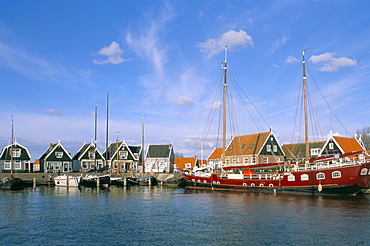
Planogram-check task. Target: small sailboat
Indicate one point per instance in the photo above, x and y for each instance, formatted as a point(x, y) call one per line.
point(344, 174)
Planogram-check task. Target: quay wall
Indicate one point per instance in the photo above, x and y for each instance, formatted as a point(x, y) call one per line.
point(42, 177)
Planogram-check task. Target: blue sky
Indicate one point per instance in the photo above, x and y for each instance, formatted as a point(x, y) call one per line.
point(58, 59)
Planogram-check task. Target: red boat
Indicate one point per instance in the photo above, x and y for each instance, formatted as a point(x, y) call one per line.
point(329, 174)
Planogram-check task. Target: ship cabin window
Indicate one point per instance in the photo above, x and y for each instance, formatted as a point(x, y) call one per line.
point(363, 171)
point(331, 145)
point(245, 160)
point(268, 148)
point(58, 154)
point(275, 148)
point(291, 177)
point(304, 177)
point(336, 174)
point(265, 159)
point(320, 176)
point(253, 160)
point(16, 153)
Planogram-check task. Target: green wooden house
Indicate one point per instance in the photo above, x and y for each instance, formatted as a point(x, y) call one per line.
point(56, 159)
point(15, 158)
point(88, 158)
point(122, 158)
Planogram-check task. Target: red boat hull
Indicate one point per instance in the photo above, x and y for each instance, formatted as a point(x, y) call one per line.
point(341, 180)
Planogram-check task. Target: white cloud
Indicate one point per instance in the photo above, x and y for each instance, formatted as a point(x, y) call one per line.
point(114, 52)
point(329, 63)
point(291, 59)
point(230, 38)
point(183, 100)
point(50, 111)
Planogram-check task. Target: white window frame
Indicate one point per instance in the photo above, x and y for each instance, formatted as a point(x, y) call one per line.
point(7, 165)
point(265, 160)
point(245, 160)
point(336, 174)
point(320, 176)
point(268, 148)
point(291, 177)
point(253, 160)
point(304, 177)
point(58, 154)
point(123, 155)
point(16, 153)
point(331, 145)
point(92, 155)
point(275, 149)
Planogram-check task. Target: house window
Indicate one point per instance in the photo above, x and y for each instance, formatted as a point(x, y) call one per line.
point(291, 177)
point(265, 159)
point(234, 161)
point(17, 165)
point(315, 151)
point(91, 155)
point(304, 177)
point(331, 145)
point(227, 161)
point(253, 160)
point(268, 148)
point(58, 154)
point(162, 164)
point(123, 155)
point(320, 176)
point(7, 165)
point(275, 148)
point(245, 160)
point(16, 153)
point(336, 174)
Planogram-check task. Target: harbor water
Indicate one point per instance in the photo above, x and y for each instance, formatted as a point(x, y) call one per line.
point(172, 216)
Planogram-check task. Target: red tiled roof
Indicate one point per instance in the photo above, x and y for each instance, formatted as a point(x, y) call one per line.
point(247, 144)
point(180, 162)
point(348, 144)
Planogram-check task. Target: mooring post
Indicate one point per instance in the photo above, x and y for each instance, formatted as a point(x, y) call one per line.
point(34, 183)
point(67, 180)
point(97, 181)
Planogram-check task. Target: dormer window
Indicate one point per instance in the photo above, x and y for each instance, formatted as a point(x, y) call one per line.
point(16, 153)
point(58, 154)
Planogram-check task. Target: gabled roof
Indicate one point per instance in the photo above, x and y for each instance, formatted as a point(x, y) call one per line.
point(185, 160)
point(159, 151)
point(111, 152)
point(298, 150)
point(347, 145)
point(52, 148)
point(247, 144)
point(5, 154)
point(215, 154)
point(85, 148)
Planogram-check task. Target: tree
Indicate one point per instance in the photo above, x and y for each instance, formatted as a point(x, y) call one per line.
point(365, 136)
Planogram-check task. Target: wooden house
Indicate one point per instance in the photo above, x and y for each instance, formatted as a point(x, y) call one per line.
point(122, 158)
point(15, 158)
point(214, 160)
point(185, 163)
point(336, 145)
point(88, 158)
point(57, 159)
point(160, 158)
point(253, 149)
point(297, 152)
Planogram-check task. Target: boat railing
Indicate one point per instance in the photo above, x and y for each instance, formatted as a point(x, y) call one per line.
point(325, 165)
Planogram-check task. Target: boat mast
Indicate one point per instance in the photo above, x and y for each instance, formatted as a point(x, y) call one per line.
point(224, 68)
point(107, 126)
point(142, 144)
point(11, 150)
point(305, 108)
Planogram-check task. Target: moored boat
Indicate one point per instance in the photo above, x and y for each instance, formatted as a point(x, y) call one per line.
point(344, 174)
point(67, 181)
point(102, 181)
point(12, 183)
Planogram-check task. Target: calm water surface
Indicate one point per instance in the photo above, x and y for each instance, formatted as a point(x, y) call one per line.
point(169, 216)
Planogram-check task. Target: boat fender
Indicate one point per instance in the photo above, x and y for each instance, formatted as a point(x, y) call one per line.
point(319, 188)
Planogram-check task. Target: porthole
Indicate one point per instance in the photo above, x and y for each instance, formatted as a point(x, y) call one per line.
point(198, 181)
point(244, 184)
point(214, 182)
point(193, 180)
point(205, 181)
point(363, 171)
point(252, 184)
point(261, 185)
point(336, 174)
point(271, 185)
point(218, 182)
point(320, 176)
